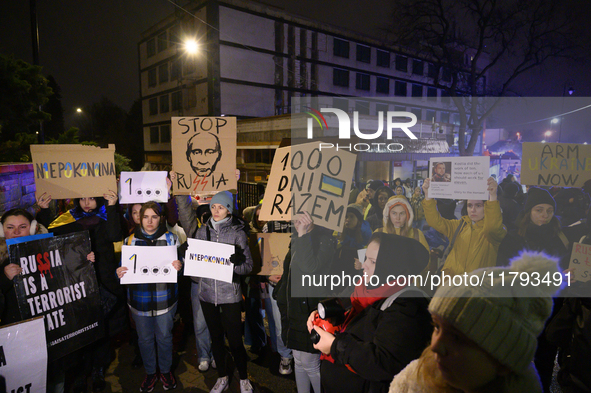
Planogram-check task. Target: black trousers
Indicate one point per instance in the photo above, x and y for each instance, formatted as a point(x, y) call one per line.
point(220, 319)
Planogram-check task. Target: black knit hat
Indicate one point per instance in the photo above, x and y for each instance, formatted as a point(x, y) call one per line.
point(357, 210)
point(537, 196)
point(375, 184)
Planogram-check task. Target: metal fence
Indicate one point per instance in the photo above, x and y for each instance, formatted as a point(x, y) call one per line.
point(249, 194)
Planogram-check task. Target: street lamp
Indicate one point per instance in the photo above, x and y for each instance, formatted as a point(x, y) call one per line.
point(191, 46)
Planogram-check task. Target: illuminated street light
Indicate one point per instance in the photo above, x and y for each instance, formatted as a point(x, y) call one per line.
point(555, 120)
point(79, 110)
point(547, 133)
point(543, 141)
point(191, 46)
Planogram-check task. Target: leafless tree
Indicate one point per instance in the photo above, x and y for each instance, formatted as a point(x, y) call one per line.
point(478, 48)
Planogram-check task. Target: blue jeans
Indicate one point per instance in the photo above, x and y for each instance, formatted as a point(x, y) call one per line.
point(156, 330)
point(275, 317)
point(202, 338)
point(307, 371)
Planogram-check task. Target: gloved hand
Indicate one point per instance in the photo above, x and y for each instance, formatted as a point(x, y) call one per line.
point(238, 258)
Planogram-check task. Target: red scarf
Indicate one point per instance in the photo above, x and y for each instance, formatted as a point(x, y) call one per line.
point(360, 299)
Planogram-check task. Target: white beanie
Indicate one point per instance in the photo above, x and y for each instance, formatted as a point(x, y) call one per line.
point(503, 319)
point(398, 200)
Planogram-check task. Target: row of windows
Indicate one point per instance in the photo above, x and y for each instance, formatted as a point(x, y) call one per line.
point(340, 77)
point(160, 134)
point(164, 73)
point(364, 108)
point(163, 41)
point(363, 54)
point(165, 103)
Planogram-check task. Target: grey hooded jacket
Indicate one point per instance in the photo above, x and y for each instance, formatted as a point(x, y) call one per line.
point(229, 232)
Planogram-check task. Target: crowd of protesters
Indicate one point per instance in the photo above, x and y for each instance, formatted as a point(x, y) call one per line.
point(396, 338)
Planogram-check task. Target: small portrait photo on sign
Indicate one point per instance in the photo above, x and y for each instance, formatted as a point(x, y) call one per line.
point(203, 154)
point(441, 171)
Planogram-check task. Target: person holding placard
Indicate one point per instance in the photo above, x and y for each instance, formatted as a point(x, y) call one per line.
point(220, 301)
point(398, 218)
point(481, 230)
point(153, 305)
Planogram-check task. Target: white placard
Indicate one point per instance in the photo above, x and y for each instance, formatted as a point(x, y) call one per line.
point(361, 254)
point(580, 260)
point(141, 187)
point(148, 264)
point(23, 361)
point(209, 260)
point(459, 177)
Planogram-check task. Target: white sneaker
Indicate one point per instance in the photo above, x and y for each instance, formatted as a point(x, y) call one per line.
point(285, 366)
point(213, 365)
point(221, 385)
point(203, 365)
point(245, 386)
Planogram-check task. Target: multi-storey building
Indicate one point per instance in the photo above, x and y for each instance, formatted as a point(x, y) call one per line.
point(253, 59)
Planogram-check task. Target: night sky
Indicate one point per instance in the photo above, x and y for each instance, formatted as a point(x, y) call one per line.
point(90, 47)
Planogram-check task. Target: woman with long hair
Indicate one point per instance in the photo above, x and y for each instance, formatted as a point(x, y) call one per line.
point(388, 323)
point(480, 231)
point(398, 218)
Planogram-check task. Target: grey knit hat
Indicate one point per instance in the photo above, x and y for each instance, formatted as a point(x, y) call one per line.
point(502, 319)
point(225, 199)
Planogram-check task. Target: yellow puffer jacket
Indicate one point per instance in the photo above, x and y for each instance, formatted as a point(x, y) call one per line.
point(413, 233)
point(477, 243)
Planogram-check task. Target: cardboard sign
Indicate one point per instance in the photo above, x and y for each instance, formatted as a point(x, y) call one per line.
point(73, 171)
point(555, 164)
point(141, 187)
point(580, 259)
point(148, 264)
point(459, 177)
point(305, 178)
point(204, 154)
point(59, 283)
point(209, 260)
point(273, 248)
point(23, 356)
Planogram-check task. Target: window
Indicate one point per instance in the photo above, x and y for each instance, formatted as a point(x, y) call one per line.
point(445, 97)
point(152, 77)
point(446, 75)
point(417, 90)
point(362, 81)
point(363, 53)
point(174, 34)
point(362, 107)
point(165, 133)
point(163, 73)
point(162, 42)
point(175, 70)
point(417, 67)
point(431, 94)
point(444, 117)
point(455, 119)
point(176, 99)
point(417, 112)
point(151, 47)
point(164, 106)
point(383, 58)
point(340, 77)
point(383, 85)
point(153, 104)
point(341, 103)
point(341, 48)
point(430, 115)
point(381, 108)
point(399, 108)
point(154, 135)
point(402, 63)
point(431, 70)
point(400, 89)
point(192, 97)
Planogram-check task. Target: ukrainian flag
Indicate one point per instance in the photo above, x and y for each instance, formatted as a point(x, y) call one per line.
point(333, 186)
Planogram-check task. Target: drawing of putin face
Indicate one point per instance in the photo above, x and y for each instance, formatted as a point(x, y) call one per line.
point(203, 153)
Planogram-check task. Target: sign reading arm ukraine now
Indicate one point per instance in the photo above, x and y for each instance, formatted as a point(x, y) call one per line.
point(73, 171)
point(555, 164)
